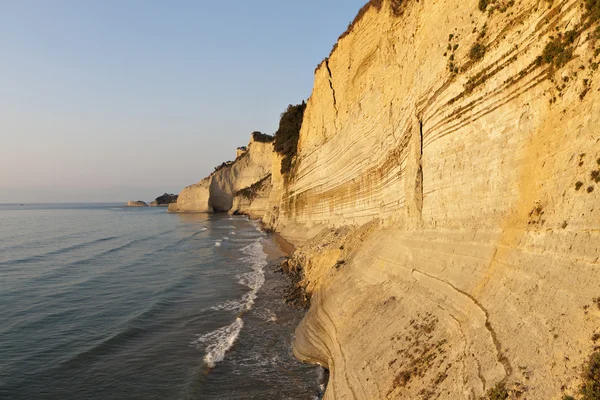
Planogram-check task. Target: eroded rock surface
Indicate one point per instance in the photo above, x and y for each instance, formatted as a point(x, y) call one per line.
point(217, 191)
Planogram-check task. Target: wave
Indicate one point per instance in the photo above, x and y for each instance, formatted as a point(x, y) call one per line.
point(219, 342)
point(256, 258)
point(64, 270)
point(104, 347)
point(41, 257)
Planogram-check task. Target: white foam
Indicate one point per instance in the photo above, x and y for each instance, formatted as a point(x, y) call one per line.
point(257, 259)
point(219, 341)
point(225, 237)
point(218, 243)
point(232, 233)
point(267, 315)
point(229, 305)
point(222, 339)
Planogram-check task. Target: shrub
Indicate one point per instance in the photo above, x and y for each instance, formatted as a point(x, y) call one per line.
point(498, 392)
point(557, 52)
point(578, 185)
point(590, 388)
point(483, 5)
point(251, 191)
point(262, 137)
point(477, 52)
point(593, 9)
point(286, 137)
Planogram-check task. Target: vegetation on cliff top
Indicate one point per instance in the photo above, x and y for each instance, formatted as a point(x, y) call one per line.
point(262, 137)
point(286, 137)
point(166, 198)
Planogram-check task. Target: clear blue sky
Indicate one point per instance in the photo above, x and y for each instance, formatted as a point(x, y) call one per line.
point(110, 100)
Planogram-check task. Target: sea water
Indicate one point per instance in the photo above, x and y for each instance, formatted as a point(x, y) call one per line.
point(99, 301)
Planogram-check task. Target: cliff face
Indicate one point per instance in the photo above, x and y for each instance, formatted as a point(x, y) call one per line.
point(216, 192)
point(253, 200)
point(446, 191)
point(475, 150)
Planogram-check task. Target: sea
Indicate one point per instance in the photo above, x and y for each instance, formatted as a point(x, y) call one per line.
point(100, 301)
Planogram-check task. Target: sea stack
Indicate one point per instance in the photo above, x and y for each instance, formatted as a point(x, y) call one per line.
point(137, 203)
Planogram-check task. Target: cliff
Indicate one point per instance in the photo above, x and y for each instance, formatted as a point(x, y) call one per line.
point(164, 200)
point(445, 190)
point(217, 191)
point(253, 200)
point(469, 141)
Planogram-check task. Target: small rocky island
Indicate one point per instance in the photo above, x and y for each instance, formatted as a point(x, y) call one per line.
point(164, 200)
point(137, 203)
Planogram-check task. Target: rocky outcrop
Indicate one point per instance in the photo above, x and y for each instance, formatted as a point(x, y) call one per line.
point(138, 203)
point(164, 200)
point(253, 200)
point(217, 191)
point(240, 151)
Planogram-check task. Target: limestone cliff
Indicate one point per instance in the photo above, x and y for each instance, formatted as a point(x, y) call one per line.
point(467, 135)
point(217, 191)
point(445, 190)
point(253, 200)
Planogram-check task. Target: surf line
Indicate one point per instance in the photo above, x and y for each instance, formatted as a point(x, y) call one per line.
point(219, 341)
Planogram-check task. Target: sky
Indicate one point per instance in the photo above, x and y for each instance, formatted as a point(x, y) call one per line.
point(111, 100)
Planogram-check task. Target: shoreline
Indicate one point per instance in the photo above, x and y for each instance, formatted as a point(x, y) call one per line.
point(285, 246)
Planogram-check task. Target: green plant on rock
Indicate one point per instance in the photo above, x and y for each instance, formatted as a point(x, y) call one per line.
point(477, 51)
point(593, 10)
point(286, 137)
point(557, 52)
point(590, 387)
point(262, 137)
point(498, 392)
